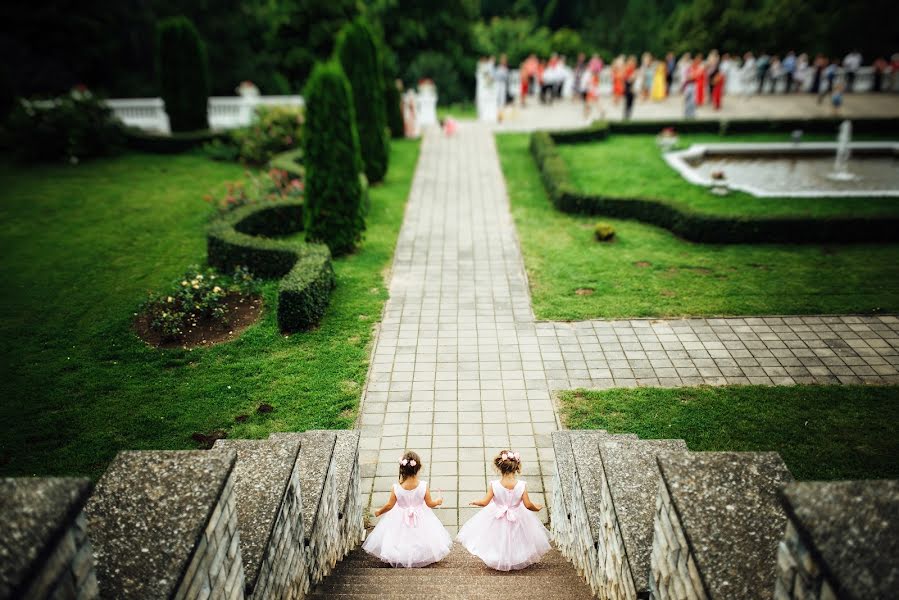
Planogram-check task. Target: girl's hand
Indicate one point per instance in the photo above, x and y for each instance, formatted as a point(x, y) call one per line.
point(537, 507)
point(438, 501)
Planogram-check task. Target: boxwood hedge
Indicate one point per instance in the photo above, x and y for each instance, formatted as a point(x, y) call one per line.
point(169, 144)
point(239, 238)
point(602, 129)
point(693, 225)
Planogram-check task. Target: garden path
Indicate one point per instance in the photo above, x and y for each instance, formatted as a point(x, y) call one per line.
point(461, 368)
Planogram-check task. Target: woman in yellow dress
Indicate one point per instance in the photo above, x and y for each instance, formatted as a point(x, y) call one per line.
point(658, 82)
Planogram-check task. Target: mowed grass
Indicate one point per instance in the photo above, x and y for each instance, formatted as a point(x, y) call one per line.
point(82, 246)
point(649, 272)
point(631, 166)
point(821, 432)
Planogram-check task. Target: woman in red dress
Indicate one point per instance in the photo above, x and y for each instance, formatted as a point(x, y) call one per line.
point(618, 77)
point(699, 75)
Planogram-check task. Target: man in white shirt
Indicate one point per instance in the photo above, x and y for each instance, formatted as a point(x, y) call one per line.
point(851, 64)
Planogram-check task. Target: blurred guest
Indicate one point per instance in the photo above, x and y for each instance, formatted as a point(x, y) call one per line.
point(660, 81)
point(683, 68)
point(747, 74)
point(647, 73)
point(618, 77)
point(689, 91)
point(718, 81)
point(580, 88)
point(670, 66)
point(819, 65)
point(894, 72)
point(836, 99)
point(528, 76)
point(632, 75)
point(699, 74)
point(501, 77)
point(789, 70)
point(761, 68)
point(830, 76)
point(851, 64)
point(880, 66)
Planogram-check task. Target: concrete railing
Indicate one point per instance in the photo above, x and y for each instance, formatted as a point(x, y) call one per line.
point(648, 519)
point(247, 519)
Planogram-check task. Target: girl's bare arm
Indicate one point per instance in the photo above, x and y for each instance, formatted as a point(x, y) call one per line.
point(485, 500)
point(528, 504)
point(432, 503)
point(387, 506)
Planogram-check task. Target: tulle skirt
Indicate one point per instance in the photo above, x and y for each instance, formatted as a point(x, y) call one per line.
point(395, 541)
point(503, 544)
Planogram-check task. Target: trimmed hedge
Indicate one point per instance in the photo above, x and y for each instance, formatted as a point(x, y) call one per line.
point(696, 226)
point(183, 74)
point(306, 271)
point(175, 143)
point(289, 161)
point(602, 129)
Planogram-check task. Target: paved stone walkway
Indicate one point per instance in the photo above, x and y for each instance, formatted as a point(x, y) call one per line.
point(461, 369)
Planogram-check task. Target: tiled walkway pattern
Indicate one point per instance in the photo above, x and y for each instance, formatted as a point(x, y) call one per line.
point(461, 368)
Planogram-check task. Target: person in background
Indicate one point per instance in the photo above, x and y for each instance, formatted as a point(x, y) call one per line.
point(670, 66)
point(718, 81)
point(617, 79)
point(501, 77)
point(836, 99)
point(894, 72)
point(851, 65)
point(728, 68)
point(789, 71)
point(660, 82)
point(580, 87)
point(563, 73)
point(631, 79)
point(819, 64)
point(528, 76)
point(775, 72)
point(683, 68)
point(880, 66)
point(689, 91)
point(699, 74)
point(761, 68)
point(830, 75)
point(711, 67)
point(747, 74)
point(646, 75)
point(802, 72)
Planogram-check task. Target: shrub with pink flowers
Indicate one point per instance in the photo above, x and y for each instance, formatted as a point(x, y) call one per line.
point(274, 185)
point(275, 129)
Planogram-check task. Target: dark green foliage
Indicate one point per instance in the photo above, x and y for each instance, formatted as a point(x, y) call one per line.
point(290, 161)
point(335, 213)
point(176, 143)
point(696, 226)
point(307, 33)
point(394, 108)
point(72, 127)
point(359, 55)
point(183, 74)
point(308, 277)
point(441, 69)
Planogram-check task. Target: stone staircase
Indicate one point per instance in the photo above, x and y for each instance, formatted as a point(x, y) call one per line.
point(459, 576)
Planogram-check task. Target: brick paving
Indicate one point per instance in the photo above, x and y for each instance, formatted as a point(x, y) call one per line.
point(461, 368)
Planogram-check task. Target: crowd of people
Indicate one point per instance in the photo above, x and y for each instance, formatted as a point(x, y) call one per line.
point(700, 79)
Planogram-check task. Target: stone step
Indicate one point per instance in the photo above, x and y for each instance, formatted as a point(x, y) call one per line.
point(268, 514)
point(457, 585)
point(458, 557)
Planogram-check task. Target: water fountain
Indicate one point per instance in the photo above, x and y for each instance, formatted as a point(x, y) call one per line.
point(841, 161)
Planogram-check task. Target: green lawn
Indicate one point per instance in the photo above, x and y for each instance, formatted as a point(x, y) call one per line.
point(81, 248)
point(821, 432)
point(648, 272)
point(631, 166)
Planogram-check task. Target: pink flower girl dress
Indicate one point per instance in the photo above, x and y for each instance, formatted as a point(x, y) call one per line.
point(505, 534)
point(409, 534)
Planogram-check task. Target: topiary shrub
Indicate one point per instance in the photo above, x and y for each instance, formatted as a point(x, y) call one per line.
point(360, 57)
point(307, 275)
point(334, 212)
point(604, 232)
point(183, 74)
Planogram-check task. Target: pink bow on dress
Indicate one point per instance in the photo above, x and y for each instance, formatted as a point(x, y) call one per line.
point(411, 517)
point(507, 512)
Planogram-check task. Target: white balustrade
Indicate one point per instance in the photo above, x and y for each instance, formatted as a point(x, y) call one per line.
point(225, 112)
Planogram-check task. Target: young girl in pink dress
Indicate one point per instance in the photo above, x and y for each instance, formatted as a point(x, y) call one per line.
point(506, 535)
point(410, 535)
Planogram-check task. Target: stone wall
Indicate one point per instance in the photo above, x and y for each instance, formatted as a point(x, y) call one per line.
point(674, 572)
point(44, 549)
point(841, 541)
point(250, 518)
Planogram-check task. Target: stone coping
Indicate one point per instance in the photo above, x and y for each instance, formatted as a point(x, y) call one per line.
point(36, 513)
point(316, 449)
point(680, 160)
point(346, 453)
point(852, 529)
point(148, 514)
point(632, 474)
point(262, 473)
point(727, 503)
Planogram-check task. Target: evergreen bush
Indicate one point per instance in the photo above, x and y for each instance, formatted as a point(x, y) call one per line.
point(183, 74)
point(360, 57)
point(334, 212)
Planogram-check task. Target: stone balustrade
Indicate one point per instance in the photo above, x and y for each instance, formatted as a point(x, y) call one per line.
point(649, 519)
point(247, 519)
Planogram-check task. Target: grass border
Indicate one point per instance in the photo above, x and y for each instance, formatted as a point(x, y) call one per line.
point(698, 226)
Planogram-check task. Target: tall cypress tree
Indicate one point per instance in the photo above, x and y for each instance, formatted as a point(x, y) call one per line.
point(360, 57)
point(183, 74)
point(333, 211)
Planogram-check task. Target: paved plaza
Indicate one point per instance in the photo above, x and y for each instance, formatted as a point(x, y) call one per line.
point(461, 368)
point(566, 113)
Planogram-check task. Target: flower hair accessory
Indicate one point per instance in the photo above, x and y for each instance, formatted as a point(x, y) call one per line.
point(517, 456)
point(404, 462)
point(412, 463)
point(504, 456)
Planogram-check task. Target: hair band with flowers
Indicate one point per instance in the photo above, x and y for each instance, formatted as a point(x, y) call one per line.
point(405, 462)
point(510, 456)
